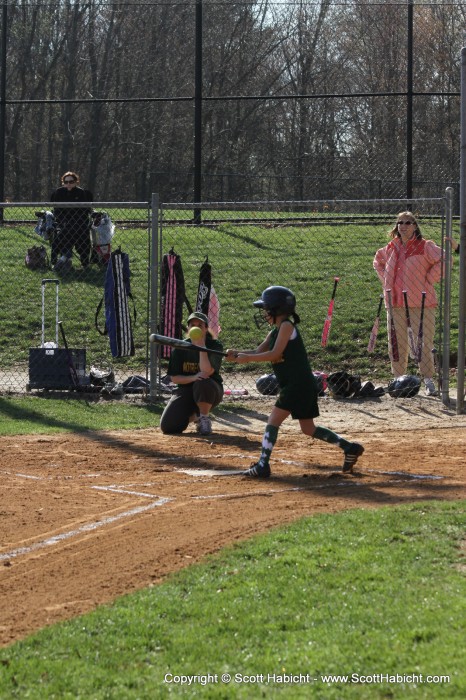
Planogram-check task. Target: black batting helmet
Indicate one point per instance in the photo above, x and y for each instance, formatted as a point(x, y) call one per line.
point(343, 384)
point(406, 386)
point(274, 301)
point(267, 385)
point(277, 300)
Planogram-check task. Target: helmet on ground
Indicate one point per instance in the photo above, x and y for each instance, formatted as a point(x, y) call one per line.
point(342, 384)
point(101, 376)
point(406, 386)
point(267, 385)
point(369, 391)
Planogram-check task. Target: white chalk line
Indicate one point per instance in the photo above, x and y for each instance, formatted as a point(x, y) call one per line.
point(252, 494)
point(218, 472)
point(341, 484)
point(23, 476)
point(89, 527)
point(234, 472)
point(222, 472)
point(118, 489)
point(411, 476)
point(210, 472)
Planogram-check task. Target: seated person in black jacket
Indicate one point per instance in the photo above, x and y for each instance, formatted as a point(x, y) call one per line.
point(73, 224)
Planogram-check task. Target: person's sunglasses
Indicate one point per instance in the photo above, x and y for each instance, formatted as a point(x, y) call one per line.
point(408, 223)
point(69, 182)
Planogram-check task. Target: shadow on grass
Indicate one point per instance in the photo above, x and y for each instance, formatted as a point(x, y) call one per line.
point(246, 239)
point(110, 440)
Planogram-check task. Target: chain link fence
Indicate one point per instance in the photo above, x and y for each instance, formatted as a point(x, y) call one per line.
point(72, 255)
point(303, 246)
point(250, 246)
point(352, 126)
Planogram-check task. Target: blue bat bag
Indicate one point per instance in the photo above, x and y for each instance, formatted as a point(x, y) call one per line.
point(118, 301)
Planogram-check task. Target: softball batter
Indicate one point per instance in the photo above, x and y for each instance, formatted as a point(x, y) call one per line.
point(284, 348)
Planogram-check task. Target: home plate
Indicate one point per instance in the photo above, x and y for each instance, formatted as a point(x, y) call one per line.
point(211, 472)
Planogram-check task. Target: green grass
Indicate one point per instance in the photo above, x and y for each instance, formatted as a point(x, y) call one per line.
point(45, 414)
point(362, 592)
point(39, 415)
point(245, 258)
point(27, 215)
point(79, 295)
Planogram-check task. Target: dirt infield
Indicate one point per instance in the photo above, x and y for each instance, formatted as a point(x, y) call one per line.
point(87, 518)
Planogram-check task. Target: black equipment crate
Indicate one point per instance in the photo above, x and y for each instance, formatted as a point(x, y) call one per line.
point(49, 368)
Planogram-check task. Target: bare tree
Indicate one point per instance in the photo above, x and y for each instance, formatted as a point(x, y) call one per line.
point(106, 88)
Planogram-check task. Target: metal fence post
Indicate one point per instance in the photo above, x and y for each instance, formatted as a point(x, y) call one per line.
point(462, 295)
point(445, 385)
point(154, 296)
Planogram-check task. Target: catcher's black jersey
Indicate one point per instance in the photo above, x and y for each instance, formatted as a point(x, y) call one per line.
point(186, 361)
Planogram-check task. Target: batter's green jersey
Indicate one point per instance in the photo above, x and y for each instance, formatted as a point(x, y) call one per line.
point(298, 386)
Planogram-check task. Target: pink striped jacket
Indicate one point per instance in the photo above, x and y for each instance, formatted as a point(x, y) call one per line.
point(415, 268)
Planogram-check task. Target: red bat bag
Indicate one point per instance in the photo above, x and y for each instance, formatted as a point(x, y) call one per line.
point(173, 296)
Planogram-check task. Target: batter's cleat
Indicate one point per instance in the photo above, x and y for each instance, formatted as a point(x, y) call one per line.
point(204, 425)
point(352, 453)
point(258, 471)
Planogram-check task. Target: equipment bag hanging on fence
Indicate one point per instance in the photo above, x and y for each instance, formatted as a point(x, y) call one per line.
point(207, 300)
point(117, 296)
point(173, 296)
point(204, 287)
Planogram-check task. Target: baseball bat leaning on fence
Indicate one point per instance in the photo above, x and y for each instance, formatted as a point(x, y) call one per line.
point(393, 337)
point(328, 320)
point(184, 344)
point(375, 328)
point(438, 367)
point(411, 341)
point(72, 368)
point(420, 335)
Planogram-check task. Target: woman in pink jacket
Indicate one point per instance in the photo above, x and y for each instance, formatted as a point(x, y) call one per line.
point(412, 264)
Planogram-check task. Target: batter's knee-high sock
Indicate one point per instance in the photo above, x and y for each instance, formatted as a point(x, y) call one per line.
point(268, 441)
point(327, 435)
